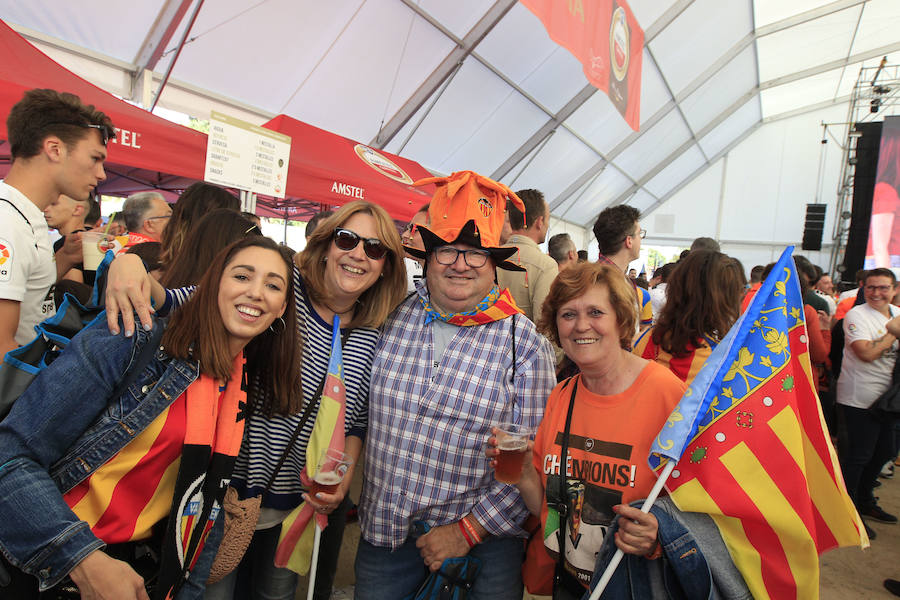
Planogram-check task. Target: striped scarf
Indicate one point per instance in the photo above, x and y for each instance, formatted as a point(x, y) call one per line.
point(495, 306)
point(215, 427)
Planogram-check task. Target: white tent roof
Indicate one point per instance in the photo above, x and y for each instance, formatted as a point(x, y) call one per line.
point(475, 84)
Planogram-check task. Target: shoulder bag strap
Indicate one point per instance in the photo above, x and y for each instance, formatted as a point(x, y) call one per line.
point(563, 507)
point(303, 419)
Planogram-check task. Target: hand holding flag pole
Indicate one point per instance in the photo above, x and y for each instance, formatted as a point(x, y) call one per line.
point(301, 531)
point(617, 557)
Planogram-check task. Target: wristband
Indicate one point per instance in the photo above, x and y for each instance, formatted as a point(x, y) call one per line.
point(465, 534)
point(473, 533)
point(657, 552)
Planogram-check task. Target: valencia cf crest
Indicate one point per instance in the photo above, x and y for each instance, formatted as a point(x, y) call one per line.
point(485, 206)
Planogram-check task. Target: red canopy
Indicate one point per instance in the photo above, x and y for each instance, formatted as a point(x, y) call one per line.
point(149, 150)
point(329, 169)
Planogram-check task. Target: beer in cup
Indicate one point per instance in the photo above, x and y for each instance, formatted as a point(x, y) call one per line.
point(512, 442)
point(94, 245)
point(333, 465)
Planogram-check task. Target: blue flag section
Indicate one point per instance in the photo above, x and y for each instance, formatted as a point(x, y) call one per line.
point(705, 400)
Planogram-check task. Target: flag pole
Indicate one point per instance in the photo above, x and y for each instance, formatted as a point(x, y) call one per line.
point(617, 557)
point(314, 563)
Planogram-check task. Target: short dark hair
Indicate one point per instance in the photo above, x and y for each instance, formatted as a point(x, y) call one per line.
point(93, 212)
point(315, 220)
point(705, 243)
point(582, 256)
point(42, 112)
point(534, 208)
point(880, 272)
point(613, 225)
point(664, 271)
point(559, 246)
point(756, 274)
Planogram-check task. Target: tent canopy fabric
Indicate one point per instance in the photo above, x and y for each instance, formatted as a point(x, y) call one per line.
point(479, 84)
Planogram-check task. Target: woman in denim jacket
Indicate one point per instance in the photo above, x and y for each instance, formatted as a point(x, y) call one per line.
point(82, 467)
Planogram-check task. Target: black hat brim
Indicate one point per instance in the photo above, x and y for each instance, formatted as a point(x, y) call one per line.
point(467, 235)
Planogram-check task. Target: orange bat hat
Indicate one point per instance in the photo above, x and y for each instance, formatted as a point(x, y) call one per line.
point(468, 208)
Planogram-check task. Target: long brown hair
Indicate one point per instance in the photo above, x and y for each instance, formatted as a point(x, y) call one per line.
point(386, 293)
point(196, 332)
point(575, 282)
point(194, 202)
point(703, 298)
point(214, 232)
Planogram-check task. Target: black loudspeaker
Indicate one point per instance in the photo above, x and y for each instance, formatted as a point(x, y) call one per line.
point(867, 148)
point(813, 227)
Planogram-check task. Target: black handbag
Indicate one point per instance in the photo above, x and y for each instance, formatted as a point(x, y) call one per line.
point(453, 581)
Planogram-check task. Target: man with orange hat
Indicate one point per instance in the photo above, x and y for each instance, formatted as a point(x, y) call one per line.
point(455, 359)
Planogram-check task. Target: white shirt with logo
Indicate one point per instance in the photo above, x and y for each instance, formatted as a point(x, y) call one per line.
point(862, 382)
point(27, 268)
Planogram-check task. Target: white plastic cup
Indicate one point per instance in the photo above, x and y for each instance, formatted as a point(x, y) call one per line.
point(94, 245)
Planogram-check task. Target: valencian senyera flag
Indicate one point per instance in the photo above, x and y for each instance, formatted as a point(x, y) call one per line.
point(296, 544)
point(752, 450)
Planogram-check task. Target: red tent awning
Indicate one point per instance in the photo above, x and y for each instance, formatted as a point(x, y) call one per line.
point(149, 151)
point(329, 169)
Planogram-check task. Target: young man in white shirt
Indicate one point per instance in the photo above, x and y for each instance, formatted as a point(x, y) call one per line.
point(870, 352)
point(58, 146)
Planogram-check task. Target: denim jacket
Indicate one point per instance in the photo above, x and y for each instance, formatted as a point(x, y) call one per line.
point(695, 564)
point(65, 426)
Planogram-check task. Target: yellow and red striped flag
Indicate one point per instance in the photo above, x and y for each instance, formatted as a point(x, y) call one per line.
point(752, 450)
point(295, 546)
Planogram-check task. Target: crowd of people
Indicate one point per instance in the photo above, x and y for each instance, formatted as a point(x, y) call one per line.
point(206, 376)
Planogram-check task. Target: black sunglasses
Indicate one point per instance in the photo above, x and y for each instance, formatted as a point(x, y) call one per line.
point(347, 240)
point(105, 132)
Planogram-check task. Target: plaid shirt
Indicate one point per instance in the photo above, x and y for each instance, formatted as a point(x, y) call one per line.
point(429, 421)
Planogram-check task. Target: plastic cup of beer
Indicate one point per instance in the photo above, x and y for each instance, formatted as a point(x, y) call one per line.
point(512, 442)
point(333, 465)
point(94, 246)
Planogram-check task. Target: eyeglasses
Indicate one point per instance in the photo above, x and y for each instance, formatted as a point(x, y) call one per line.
point(878, 288)
point(158, 217)
point(447, 255)
point(347, 240)
point(253, 230)
point(105, 134)
point(642, 233)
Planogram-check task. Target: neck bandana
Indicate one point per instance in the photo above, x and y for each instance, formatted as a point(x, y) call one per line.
point(495, 306)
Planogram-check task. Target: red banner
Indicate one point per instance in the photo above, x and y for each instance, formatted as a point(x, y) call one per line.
point(606, 38)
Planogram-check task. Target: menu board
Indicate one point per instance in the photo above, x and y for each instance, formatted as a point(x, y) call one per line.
point(245, 156)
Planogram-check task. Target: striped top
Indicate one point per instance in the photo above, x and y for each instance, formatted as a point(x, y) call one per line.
point(685, 367)
point(265, 438)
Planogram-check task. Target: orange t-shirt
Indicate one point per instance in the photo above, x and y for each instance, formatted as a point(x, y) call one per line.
point(609, 441)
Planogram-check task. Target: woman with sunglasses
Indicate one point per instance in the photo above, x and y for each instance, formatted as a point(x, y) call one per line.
point(352, 268)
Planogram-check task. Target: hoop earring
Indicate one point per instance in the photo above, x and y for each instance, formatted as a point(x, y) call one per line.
point(278, 330)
